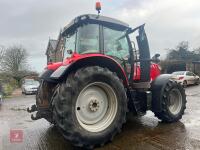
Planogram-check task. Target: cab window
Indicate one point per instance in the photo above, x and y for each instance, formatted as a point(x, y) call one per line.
point(189, 74)
point(115, 44)
point(70, 44)
point(88, 39)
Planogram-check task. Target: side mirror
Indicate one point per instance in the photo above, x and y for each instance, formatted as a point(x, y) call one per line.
point(69, 51)
point(155, 58)
point(157, 55)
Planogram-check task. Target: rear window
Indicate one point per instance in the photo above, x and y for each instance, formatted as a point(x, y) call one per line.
point(179, 73)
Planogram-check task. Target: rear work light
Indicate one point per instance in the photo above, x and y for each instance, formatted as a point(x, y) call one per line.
point(180, 78)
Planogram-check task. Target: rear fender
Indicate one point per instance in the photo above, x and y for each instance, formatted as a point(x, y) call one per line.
point(102, 61)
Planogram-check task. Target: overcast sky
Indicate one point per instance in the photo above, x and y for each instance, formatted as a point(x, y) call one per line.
point(31, 22)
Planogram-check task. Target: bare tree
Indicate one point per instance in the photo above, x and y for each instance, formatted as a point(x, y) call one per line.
point(183, 53)
point(2, 50)
point(15, 61)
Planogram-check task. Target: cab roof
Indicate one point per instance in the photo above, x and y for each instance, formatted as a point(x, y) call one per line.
point(95, 19)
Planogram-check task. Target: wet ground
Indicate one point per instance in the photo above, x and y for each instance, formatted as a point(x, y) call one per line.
point(145, 133)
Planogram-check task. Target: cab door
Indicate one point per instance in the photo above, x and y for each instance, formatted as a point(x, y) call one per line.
point(116, 45)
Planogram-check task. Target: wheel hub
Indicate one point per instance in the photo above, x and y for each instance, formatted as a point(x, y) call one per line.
point(94, 105)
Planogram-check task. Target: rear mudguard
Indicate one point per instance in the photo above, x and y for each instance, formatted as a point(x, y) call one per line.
point(157, 87)
point(45, 76)
point(78, 61)
point(59, 71)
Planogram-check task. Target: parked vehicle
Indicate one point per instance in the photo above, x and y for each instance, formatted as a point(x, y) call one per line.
point(30, 86)
point(89, 94)
point(185, 78)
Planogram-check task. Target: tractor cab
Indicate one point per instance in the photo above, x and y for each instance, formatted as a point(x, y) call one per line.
point(88, 34)
point(94, 34)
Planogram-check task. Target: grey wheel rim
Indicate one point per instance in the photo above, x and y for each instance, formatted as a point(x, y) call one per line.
point(175, 101)
point(96, 107)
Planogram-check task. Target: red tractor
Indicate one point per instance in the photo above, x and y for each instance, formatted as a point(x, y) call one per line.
point(103, 76)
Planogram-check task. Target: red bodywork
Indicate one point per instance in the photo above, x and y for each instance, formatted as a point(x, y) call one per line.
point(154, 72)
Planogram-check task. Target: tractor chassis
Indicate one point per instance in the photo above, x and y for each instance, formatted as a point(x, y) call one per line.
point(40, 113)
point(43, 104)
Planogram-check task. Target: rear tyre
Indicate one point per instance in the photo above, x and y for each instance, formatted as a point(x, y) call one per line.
point(173, 102)
point(90, 108)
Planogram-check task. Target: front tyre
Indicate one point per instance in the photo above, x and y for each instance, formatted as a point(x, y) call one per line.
point(90, 108)
point(173, 102)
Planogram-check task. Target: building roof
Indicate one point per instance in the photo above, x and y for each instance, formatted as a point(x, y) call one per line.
point(92, 18)
point(59, 39)
point(52, 43)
